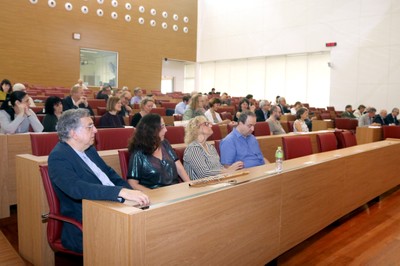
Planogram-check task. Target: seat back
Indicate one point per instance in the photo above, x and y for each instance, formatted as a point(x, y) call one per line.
point(124, 156)
point(349, 139)
point(326, 142)
point(391, 132)
point(230, 128)
point(113, 138)
point(216, 133)
point(179, 152)
point(175, 135)
point(261, 129)
point(346, 123)
point(296, 146)
point(159, 110)
point(43, 143)
point(216, 145)
point(226, 115)
point(54, 226)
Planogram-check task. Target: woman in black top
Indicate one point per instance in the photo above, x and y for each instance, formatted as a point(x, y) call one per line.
point(111, 118)
point(145, 105)
point(53, 109)
point(153, 162)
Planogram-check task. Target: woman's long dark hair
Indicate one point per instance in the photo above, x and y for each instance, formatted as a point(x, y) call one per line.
point(49, 105)
point(15, 96)
point(146, 137)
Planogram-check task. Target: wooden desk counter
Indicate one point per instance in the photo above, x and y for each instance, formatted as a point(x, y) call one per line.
point(247, 224)
point(10, 146)
point(8, 255)
point(289, 117)
point(32, 201)
point(368, 134)
point(318, 125)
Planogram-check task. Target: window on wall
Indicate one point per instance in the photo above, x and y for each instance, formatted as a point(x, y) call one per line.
point(304, 77)
point(99, 67)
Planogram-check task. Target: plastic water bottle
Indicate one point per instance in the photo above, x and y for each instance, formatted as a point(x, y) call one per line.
point(278, 160)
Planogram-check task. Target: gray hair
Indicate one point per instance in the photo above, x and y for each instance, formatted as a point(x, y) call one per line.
point(263, 103)
point(70, 120)
point(243, 116)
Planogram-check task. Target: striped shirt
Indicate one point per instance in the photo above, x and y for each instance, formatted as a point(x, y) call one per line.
point(199, 163)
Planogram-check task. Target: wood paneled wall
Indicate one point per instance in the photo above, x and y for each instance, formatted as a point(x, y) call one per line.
point(37, 45)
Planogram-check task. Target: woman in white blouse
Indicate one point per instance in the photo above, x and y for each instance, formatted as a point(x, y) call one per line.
point(212, 115)
point(201, 158)
point(300, 124)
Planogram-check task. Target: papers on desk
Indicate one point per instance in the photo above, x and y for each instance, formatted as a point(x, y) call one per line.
point(374, 126)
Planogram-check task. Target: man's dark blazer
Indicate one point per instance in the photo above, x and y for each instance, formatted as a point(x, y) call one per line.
point(260, 115)
point(73, 181)
point(284, 109)
point(379, 119)
point(69, 104)
point(389, 119)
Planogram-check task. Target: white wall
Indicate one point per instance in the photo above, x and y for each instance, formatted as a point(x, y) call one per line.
point(366, 61)
point(173, 68)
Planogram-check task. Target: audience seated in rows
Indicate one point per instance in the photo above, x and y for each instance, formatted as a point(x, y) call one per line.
point(201, 158)
point(76, 100)
point(104, 93)
point(77, 172)
point(81, 84)
point(145, 108)
point(244, 105)
point(300, 124)
point(181, 107)
point(380, 118)
point(137, 96)
point(391, 119)
point(241, 145)
point(273, 121)
point(212, 113)
point(153, 162)
point(283, 105)
point(16, 116)
point(360, 111)
point(195, 107)
point(126, 109)
point(53, 108)
point(112, 118)
point(368, 118)
point(5, 89)
point(21, 87)
point(263, 112)
point(348, 112)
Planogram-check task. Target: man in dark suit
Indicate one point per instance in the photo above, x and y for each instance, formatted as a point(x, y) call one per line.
point(282, 104)
point(380, 119)
point(78, 172)
point(263, 112)
point(391, 119)
point(76, 100)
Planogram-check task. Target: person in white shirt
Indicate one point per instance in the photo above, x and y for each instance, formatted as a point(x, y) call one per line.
point(212, 115)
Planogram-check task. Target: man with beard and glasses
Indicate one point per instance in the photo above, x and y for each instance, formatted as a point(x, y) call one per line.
point(273, 121)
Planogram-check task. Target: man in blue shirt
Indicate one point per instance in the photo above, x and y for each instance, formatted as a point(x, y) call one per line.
point(180, 108)
point(241, 145)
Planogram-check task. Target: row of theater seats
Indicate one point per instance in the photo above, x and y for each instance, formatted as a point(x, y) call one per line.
point(117, 138)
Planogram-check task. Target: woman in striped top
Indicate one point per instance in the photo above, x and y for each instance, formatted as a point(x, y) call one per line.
point(201, 158)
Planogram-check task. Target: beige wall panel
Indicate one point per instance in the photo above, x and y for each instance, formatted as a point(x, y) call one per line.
point(39, 49)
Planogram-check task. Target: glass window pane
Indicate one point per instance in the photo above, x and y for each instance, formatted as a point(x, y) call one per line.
point(99, 67)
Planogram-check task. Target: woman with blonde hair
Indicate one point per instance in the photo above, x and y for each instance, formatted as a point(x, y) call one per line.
point(195, 108)
point(145, 105)
point(111, 118)
point(201, 158)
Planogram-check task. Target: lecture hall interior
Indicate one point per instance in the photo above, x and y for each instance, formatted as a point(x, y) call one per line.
point(327, 207)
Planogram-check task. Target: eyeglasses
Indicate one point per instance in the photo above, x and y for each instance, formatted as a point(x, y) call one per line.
point(89, 127)
point(207, 124)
